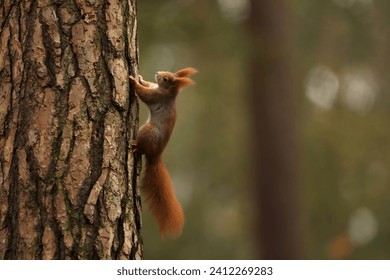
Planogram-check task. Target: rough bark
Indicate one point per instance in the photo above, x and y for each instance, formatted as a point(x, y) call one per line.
point(273, 131)
point(68, 179)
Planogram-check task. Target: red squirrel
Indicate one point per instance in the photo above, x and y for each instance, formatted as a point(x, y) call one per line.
point(152, 138)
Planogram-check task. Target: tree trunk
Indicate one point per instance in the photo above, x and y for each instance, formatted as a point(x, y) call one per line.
point(273, 133)
point(68, 179)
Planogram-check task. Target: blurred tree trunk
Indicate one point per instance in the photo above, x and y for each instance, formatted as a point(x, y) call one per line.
point(68, 179)
point(274, 148)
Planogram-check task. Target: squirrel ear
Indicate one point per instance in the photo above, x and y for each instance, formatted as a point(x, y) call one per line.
point(186, 72)
point(184, 81)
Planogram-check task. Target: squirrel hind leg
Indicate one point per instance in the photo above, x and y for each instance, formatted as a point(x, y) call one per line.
point(133, 144)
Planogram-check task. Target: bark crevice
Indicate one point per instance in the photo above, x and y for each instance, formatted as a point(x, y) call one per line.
point(67, 183)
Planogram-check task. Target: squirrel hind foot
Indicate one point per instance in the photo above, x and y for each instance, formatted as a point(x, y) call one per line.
point(133, 144)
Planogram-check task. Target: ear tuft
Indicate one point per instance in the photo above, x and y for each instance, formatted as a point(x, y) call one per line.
point(184, 81)
point(186, 72)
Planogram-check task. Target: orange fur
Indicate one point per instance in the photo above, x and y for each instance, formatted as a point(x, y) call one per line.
point(186, 72)
point(158, 190)
point(182, 82)
point(151, 141)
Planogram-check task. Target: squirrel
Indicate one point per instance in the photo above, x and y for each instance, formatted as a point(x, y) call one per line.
point(152, 138)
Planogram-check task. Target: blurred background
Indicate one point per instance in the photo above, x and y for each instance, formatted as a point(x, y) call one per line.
point(282, 149)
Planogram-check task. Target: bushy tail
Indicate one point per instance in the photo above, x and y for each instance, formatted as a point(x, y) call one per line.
point(158, 190)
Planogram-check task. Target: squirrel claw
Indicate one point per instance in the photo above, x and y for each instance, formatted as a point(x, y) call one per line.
point(142, 81)
point(133, 144)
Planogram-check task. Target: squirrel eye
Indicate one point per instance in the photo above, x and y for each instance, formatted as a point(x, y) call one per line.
point(165, 79)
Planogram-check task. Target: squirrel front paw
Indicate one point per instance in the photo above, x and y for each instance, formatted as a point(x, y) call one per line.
point(142, 81)
point(132, 79)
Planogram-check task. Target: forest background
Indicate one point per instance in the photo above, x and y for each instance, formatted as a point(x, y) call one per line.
point(341, 121)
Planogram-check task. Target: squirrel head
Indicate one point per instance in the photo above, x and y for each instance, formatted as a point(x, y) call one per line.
point(175, 81)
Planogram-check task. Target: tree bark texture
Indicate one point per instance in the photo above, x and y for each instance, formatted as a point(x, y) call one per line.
point(273, 131)
point(69, 186)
